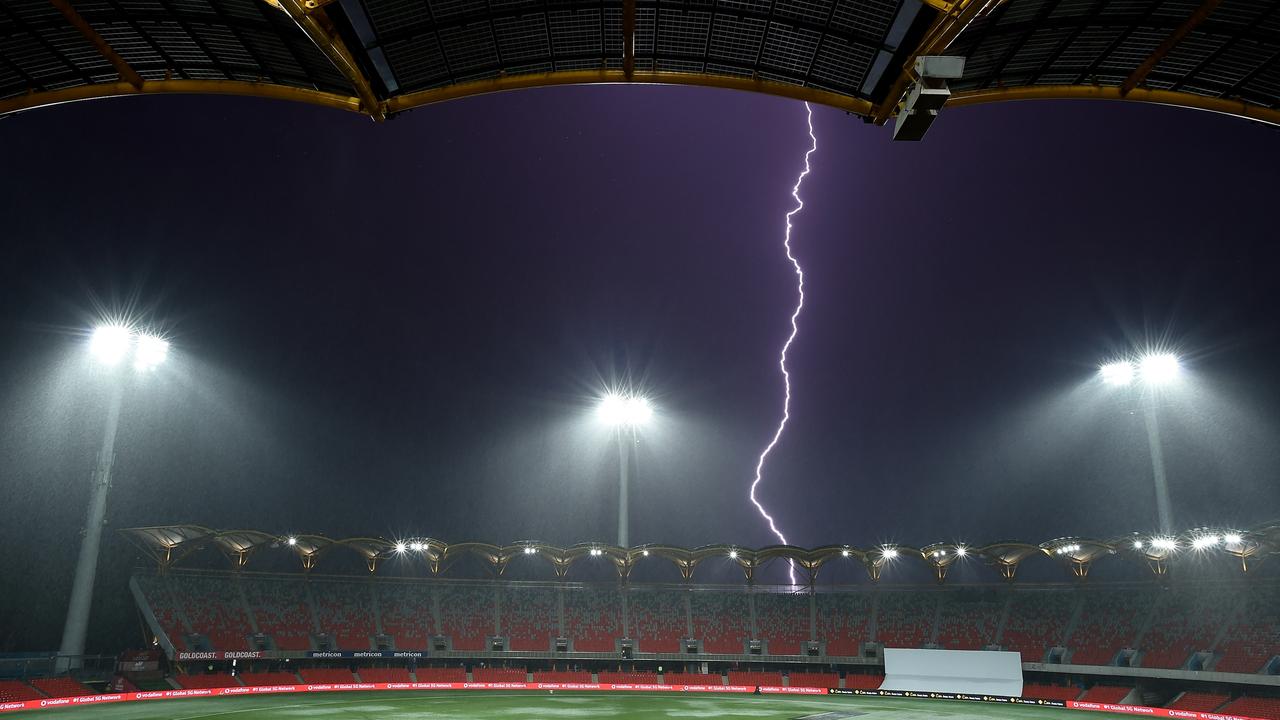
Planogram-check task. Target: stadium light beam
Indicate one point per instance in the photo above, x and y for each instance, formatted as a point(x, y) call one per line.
point(1155, 369)
point(109, 345)
point(625, 413)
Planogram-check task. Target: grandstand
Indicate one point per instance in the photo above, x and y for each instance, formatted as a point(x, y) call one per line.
point(782, 621)
point(1252, 639)
point(344, 613)
point(1037, 621)
point(1102, 642)
point(593, 618)
point(529, 617)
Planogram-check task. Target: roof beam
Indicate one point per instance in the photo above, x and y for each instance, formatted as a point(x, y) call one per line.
point(409, 101)
point(945, 28)
point(1238, 108)
point(317, 26)
point(1140, 74)
point(629, 38)
point(123, 69)
point(96, 91)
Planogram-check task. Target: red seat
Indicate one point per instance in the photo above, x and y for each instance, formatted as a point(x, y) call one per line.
point(1198, 701)
point(61, 687)
point(17, 691)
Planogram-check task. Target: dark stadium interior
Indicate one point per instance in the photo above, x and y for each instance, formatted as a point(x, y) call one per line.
point(376, 452)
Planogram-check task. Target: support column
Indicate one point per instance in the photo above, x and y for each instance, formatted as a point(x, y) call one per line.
point(77, 624)
point(1164, 511)
point(624, 470)
point(377, 614)
point(813, 615)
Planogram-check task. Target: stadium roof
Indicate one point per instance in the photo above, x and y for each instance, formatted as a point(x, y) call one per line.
point(381, 57)
point(168, 545)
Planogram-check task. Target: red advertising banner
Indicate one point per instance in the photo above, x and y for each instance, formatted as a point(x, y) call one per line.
point(617, 687)
point(1152, 712)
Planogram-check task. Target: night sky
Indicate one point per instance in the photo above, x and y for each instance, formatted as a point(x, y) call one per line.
point(401, 329)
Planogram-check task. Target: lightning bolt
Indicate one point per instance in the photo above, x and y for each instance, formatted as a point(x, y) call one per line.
point(782, 360)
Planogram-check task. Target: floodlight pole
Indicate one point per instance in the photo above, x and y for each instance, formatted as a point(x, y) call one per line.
point(71, 652)
point(624, 470)
point(1164, 511)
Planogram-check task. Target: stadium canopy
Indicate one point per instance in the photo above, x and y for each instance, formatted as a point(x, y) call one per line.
point(169, 545)
point(383, 57)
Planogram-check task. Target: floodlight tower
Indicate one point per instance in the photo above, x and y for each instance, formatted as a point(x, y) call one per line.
point(625, 414)
point(109, 345)
point(1153, 370)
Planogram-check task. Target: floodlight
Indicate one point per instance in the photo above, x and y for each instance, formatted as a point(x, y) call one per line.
point(1205, 541)
point(733, 554)
point(400, 547)
point(1137, 544)
point(1117, 373)
point(1164, 544)
point(110, 343)
point(293, 541)
point(844, 553)
point(1160, 368)
point(889, 553)
point(529, 551)
point(150, 352)
point(1232, 538)
point(630, 410)
point(962, 551)
point(645, 553)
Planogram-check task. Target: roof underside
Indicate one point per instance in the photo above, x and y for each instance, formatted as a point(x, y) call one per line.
point(168, 545)
point(380, 57)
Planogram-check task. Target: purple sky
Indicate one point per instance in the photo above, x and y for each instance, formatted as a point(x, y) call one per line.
point(399, 328)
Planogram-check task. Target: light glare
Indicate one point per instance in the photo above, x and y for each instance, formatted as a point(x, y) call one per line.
point(1204, 541)
point(630, 410)
point(1232, 539)
point(1117, 373)
point(110, 343)
point(150, 352)
point(1160, 368)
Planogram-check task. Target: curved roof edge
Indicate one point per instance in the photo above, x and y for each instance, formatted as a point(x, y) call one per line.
point(410, 101)
point(168, 545)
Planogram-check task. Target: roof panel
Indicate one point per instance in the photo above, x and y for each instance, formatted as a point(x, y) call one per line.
point(522, 38)
point(827, 44)
point(469, 47)
point(417, 62)
point(864, 19)
point(575, 32)
point(683, 34)
point(842, 65)
point(790, 50)
point(736, 40)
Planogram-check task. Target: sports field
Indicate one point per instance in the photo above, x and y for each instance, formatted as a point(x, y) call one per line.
point(541, 704)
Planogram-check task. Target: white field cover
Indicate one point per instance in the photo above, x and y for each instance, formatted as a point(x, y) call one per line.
point(975, 672)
